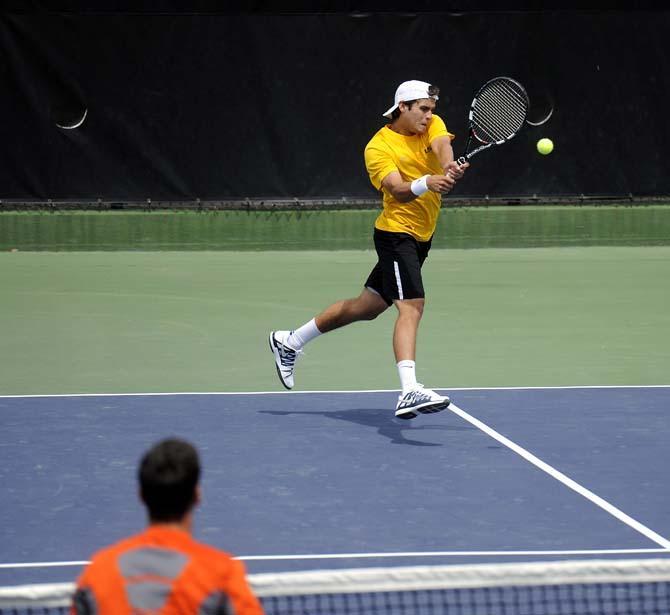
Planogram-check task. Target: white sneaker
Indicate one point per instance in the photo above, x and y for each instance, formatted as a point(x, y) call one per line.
point(285, 356)
point(420, 400)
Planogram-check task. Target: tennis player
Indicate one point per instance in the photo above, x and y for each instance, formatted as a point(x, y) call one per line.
point(411, 161)
point(163, 569)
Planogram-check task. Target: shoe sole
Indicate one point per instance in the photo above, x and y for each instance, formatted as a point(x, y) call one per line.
point(274, 354)
point(429, 408)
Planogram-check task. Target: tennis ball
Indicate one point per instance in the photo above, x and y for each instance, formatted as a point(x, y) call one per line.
point(545, 146)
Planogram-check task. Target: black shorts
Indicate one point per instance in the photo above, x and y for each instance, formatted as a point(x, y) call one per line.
point(397, 274)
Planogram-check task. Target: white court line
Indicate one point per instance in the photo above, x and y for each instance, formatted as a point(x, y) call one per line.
point(454, 554)
point(559, 476)
point(350, 392)
point(317, 556)
point(43, 565)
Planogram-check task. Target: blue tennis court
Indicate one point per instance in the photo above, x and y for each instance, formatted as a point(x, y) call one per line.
point(298, 481)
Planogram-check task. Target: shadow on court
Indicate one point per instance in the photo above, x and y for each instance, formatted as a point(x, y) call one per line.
point(392, 428)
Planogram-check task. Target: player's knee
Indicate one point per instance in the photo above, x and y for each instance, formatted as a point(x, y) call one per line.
point(412, 308)
point(368, 306)
point(371, 314)
point(420, 304)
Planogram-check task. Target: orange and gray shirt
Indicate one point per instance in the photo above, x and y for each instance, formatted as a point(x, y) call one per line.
point(163, 571)
point(412, 157)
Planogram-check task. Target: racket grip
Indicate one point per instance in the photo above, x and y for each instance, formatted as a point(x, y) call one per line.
point(461, 161)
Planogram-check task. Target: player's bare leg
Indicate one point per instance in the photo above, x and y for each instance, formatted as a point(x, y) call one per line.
point(414, 398)
point(286, 346)
point(406, 328)
point(367, 306)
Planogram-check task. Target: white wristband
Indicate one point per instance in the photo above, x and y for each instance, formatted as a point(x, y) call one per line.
point(420, 186)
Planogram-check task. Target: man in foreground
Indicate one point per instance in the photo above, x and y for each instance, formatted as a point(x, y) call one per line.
point(163, 570)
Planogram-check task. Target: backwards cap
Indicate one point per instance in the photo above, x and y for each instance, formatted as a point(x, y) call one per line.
point(410, 90)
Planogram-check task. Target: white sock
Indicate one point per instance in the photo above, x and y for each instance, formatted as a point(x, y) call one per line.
point(303, 334)
point(407, 373)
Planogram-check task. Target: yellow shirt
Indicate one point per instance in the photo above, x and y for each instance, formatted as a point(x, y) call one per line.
point(412, 157)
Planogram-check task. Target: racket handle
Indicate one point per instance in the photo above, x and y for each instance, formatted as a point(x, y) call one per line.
point(461, 161)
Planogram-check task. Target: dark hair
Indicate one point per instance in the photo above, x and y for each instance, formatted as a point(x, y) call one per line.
point(433, 90)
point(169, 473)
point(395, 114)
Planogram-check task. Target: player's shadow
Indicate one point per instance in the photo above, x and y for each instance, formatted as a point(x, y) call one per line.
point(388, 426)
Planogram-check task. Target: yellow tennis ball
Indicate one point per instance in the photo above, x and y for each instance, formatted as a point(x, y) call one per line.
point(545, 146)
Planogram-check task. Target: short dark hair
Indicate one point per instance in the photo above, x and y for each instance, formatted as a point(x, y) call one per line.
point(395, 114)
point(433, 90)
point(169, 473)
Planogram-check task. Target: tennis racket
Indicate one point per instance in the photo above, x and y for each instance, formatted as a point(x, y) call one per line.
point(497, 113)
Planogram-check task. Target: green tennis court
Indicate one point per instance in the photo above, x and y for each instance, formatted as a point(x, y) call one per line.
point(91, 302)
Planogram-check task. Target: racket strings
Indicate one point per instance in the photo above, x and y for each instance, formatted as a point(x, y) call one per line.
point(498, 119)
point(500, 111)
point(510, 101)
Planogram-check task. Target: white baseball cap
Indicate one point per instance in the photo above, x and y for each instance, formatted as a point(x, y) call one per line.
point(410, 90)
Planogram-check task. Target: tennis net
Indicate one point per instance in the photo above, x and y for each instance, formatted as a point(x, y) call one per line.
point(597, 587)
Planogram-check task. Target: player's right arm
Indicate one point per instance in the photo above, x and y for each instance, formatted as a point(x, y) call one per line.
point(402, 190)
point(84, 599)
